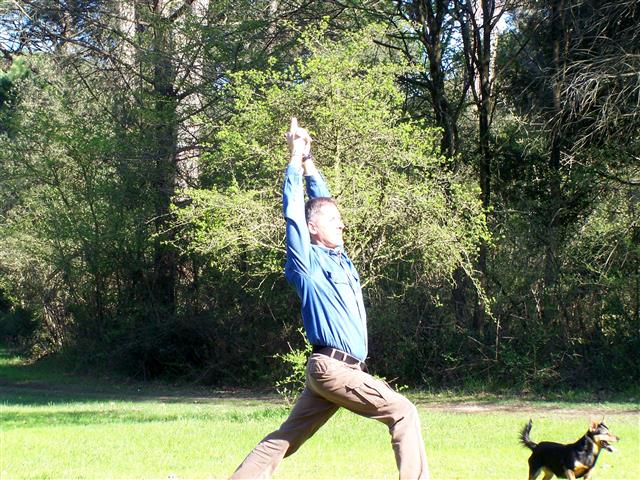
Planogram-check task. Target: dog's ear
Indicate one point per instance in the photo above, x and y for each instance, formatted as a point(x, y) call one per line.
point(593, 424)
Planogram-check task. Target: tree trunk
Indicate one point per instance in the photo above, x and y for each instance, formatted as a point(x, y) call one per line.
point(482, 35)
point(164, 158)
point(559, 38)
point(429, 19)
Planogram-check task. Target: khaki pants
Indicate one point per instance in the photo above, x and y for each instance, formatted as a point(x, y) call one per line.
point(332, 384)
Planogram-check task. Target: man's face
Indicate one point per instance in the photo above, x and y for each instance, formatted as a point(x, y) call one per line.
point(326, 227)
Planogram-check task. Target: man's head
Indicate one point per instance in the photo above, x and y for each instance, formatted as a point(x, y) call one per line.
point(324, 222)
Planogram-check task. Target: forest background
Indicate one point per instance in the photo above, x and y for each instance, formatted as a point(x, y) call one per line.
point(484, 154)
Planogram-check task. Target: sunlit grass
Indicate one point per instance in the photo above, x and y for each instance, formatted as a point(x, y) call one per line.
point(152, 439)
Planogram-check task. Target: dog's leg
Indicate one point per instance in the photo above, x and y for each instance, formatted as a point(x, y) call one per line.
point(547, 474)
point(570, 475)
point(533, 474)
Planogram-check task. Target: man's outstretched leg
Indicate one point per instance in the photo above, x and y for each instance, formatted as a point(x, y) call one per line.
point(351, 388)
point(308, 414)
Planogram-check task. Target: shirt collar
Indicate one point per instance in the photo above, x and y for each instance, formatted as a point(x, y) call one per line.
point(331, 251)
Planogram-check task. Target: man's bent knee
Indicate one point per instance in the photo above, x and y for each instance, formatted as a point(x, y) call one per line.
point(403, 407)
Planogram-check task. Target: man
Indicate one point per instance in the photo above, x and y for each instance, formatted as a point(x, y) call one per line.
point(336, 325)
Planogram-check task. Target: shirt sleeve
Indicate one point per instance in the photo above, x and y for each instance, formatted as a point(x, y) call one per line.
point(298, 241)
point(317, 186)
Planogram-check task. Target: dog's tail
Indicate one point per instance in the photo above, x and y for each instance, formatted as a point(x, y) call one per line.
point(524, 436)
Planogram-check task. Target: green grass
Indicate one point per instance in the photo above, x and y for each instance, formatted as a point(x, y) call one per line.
point(101, 433)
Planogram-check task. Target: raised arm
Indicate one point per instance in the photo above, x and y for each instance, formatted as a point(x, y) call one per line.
point(298, 241)
point(316, 185)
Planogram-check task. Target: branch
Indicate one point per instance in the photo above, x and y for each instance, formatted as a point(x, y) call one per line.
point(634, 182)
point(180, 10)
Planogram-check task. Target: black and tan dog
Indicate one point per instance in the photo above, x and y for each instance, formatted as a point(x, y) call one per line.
point(575, 460)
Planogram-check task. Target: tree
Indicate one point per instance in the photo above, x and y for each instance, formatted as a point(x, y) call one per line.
point(452, 46)
point(431, 25)
point(562, 162)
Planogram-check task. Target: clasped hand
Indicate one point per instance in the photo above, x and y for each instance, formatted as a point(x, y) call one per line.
point(299, 141)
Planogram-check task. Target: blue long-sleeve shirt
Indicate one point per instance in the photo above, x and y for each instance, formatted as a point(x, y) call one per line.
point(328, 285)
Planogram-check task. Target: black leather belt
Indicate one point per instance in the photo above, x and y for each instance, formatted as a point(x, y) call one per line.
point(339, 355)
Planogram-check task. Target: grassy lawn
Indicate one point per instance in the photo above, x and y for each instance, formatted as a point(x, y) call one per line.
point(116, 433)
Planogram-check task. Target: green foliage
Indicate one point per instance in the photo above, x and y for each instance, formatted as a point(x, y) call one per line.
point(68, 226)
point(9, 88)
point(410, 222)
point(578, 329)
point(17, 326)
point(294, 363)
point(16, 72)
point(399, 202)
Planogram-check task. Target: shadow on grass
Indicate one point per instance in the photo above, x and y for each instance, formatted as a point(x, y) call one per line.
point(50, 381)
point(116, 414)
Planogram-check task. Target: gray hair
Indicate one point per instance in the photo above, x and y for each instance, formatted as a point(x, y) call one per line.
point(313, 206)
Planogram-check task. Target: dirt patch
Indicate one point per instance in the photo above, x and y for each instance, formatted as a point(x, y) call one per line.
point(527, 408)
point(51, 392)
